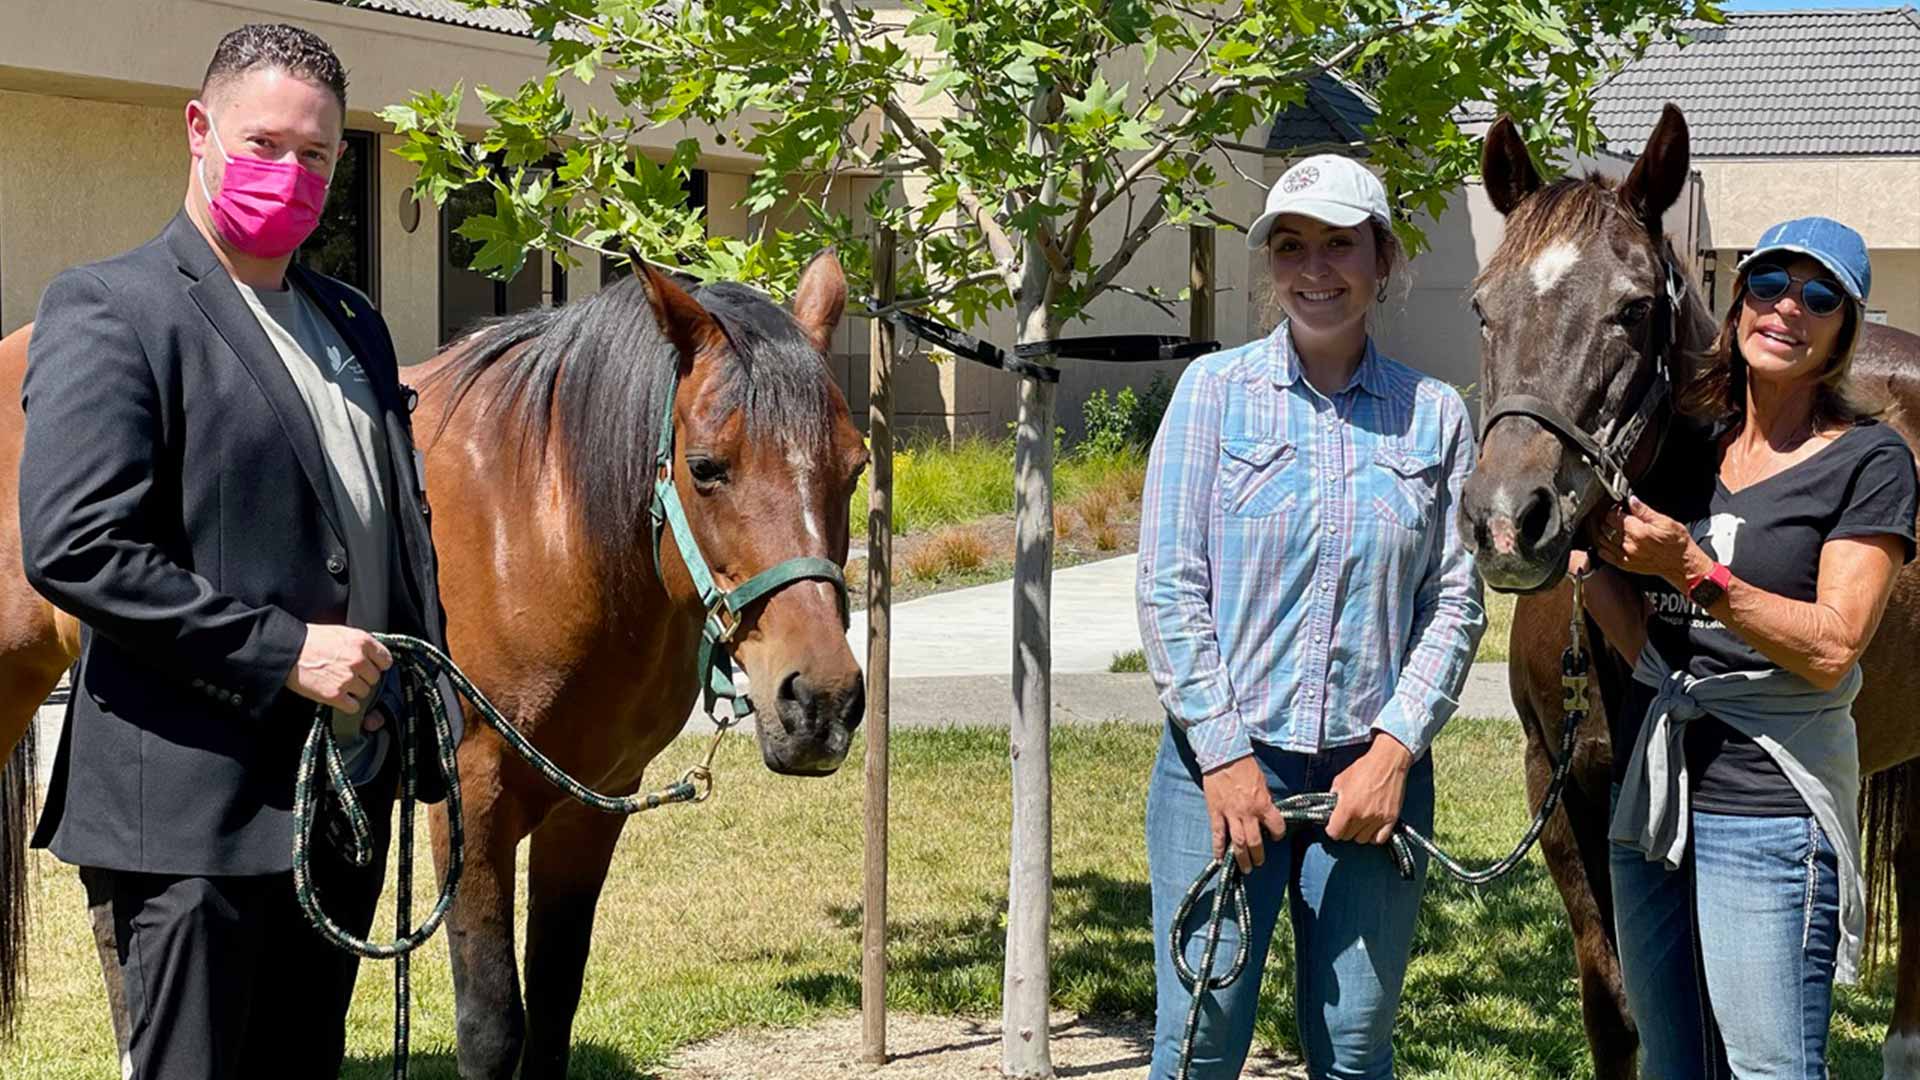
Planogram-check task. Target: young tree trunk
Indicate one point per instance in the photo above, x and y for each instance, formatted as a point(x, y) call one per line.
point(1028, 986)
point(873, 934)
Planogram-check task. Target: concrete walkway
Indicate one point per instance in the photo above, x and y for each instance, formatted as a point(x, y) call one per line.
point(953, 652)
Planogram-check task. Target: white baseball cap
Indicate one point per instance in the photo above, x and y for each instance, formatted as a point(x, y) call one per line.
point(1326, 187)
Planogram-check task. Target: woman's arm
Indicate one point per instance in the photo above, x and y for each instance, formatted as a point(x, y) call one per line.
point(1818, 640)
point(1174, 593)
point(1174, 588)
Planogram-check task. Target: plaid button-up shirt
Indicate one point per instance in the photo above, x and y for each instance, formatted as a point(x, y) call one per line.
point(1302, 578)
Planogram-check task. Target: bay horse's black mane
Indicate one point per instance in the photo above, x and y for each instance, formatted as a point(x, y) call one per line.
point(590, 379)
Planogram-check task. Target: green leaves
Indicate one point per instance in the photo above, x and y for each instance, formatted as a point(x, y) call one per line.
point(982, 131)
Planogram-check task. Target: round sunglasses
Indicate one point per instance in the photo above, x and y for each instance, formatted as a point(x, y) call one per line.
point(1821, 296)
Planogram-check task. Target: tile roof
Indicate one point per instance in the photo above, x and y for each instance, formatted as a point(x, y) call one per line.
point(499, 20)
point(1775, 83)
point(1335, 111)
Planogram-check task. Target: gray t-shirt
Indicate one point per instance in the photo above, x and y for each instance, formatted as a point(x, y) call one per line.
point(346, 414)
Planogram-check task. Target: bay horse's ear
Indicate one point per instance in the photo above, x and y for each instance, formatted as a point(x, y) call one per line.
point(1661, 173)
point(680, 316)
point(1506, 168)
point(821, 298)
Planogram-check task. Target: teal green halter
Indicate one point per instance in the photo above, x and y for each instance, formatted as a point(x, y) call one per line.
point(723, 606)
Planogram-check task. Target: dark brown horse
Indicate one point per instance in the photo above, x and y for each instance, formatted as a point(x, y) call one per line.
point(539, 434)
point(1574, 316)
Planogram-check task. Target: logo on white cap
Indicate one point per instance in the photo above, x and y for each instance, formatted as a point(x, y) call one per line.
point(1300, 179)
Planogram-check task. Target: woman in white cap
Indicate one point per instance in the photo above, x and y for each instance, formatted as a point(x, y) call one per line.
point(1310, 613)
point(1736, 841)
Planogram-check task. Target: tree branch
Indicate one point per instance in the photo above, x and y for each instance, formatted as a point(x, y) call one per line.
point(1228, 84)
point(998, 242)
point(1154, 300)
point(977, 278)
point(1103, 278)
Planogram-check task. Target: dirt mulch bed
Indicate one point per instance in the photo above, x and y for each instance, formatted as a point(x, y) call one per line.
point(1073, 544)
point(932, 1048)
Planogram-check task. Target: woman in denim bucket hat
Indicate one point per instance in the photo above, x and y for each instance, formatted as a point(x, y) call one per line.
point(1309, 611)
point(1736, 884)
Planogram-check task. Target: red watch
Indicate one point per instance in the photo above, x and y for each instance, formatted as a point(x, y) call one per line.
point(1708, 589)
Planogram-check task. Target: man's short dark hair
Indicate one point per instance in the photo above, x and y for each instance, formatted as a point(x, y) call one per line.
point(300, 53)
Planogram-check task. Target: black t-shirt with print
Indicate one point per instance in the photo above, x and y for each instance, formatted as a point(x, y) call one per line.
point(1770, 534)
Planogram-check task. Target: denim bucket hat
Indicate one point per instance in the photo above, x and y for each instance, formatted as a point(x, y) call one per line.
point(1835, 246)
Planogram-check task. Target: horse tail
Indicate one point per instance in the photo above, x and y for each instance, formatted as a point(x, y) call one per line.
point(17, 780)
point(1889, 800)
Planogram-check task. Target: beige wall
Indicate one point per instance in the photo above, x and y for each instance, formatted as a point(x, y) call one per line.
point(1879, 196)
point(1896, 287)
point(79, 180)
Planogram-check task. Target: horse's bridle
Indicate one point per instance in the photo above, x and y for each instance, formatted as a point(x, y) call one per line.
point(1609, 450)
point(723, 606)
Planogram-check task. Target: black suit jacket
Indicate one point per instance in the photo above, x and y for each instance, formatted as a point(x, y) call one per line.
point(174, 497)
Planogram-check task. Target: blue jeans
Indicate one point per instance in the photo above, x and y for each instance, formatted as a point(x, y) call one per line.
point(1353, 921)
point(1728, 961)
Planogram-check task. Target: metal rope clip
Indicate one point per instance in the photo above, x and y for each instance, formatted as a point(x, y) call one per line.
point(1574, 664)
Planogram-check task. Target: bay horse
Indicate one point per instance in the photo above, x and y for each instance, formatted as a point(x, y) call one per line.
point(1592, 320)
point(539, 436)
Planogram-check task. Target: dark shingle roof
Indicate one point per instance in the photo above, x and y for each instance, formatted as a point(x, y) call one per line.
point(499, 20)
point(1774, 84)
point(1778, 83)
point(1335, 111)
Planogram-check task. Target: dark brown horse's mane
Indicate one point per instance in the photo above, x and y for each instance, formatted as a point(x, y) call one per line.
point(586, 383)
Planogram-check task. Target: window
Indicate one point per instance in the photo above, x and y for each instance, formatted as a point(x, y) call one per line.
point(1876, 315)
point(344, 245)
point(612, 269)
point(466, 297)
point(1709, 262)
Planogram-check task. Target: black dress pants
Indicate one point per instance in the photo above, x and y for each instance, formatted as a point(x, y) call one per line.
point(224, 976)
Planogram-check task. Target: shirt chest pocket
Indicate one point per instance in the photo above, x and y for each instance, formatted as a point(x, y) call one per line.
point(1404, 486)
point(1258, 477)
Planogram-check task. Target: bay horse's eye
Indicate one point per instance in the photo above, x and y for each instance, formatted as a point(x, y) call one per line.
point(707, 472)
point(1636, 312)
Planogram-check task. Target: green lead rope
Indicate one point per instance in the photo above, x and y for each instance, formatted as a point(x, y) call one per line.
point(1316, 808)
point(421, 667)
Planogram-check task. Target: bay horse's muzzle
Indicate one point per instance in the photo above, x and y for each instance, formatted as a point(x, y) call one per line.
point(811, 723)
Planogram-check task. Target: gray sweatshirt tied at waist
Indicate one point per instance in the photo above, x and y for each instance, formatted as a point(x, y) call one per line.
point(1807, 731)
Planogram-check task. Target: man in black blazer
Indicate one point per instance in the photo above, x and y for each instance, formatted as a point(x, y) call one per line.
point(217, 479)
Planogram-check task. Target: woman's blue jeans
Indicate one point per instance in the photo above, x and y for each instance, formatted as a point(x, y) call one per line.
point(1728, 960)
point(1353, 921)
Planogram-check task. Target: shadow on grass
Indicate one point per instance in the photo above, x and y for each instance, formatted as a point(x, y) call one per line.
point(1102, 955)
point(589, 1061)
point(1492, 978)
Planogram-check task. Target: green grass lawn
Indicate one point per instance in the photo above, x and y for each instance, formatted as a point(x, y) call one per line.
point(945, 483)
point(1493, 644)
point(745, 912)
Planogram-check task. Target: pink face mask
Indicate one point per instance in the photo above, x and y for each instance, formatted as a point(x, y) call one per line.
point(265, 209)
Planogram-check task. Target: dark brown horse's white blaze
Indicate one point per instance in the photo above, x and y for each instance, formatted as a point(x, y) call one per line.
point(539, 434)
point(1570, 305)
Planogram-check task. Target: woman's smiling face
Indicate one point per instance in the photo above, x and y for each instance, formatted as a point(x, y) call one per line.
point(1780, 339)
point(1324, 276)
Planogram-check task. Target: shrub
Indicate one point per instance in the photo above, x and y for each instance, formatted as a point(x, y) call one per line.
point(950, 551)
